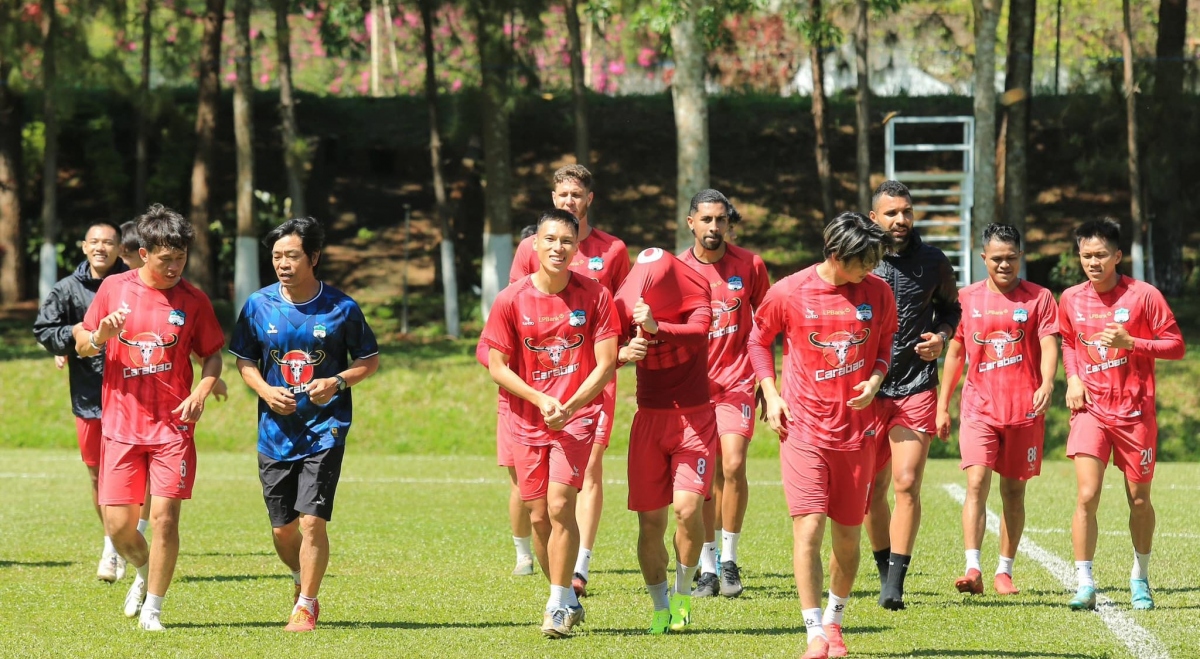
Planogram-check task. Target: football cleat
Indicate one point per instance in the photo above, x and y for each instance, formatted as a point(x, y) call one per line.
point(524, 567)
point(837, 644)
point(971, 582)
point(1003, 585)
point(708, 585)
point(579, 585)
point(303, 620)
point(681, 611)
point(661, 622)
point(1139, 590)
point(731, 579)
point(818, 648)
point(135, 597)
point(1084, 599)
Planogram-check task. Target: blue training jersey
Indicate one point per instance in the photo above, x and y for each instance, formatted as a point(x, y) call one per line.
point(293, 345)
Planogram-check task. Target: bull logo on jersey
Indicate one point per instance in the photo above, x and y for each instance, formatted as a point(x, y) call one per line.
point(1102, 357)
point(996, 344)
point(840, 347)
point(553, 349)
point(722, 313)
point(297, 366)
point(147, 348)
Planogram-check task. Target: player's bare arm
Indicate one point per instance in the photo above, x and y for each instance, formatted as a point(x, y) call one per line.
point(512, 383)
point(951, 373)
point(87, 343)
point(867, 390)
point(192, 407)
point(322, 390)
point(777, 408)
point(1049, 366)
point(220, 390)
point(606, 360)
point(280, 400)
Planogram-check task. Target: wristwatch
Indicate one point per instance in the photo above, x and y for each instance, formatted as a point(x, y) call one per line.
point(92, 342)
point(341, 382)
point(945, 338)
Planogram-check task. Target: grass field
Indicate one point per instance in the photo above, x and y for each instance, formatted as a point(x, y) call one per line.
point(432, 579)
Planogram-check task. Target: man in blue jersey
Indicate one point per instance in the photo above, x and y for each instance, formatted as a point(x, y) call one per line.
point(301, 345)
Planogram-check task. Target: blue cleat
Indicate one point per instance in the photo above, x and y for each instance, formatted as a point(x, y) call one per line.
point(1141, 597)
point(1084, 600)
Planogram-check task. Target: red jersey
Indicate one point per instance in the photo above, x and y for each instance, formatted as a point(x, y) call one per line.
point(1001, 334)
point(601, 257)
point(1121, 382)
point(550, 341)
point(834, 336)
point(738, 283)
point(676, 363)
point(147, 369)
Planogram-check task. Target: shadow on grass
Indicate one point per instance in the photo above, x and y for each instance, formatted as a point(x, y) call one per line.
point(221, 578)
point(35, 563)
point(352, 624)
point(971, 653)
point(227, 553)
point(725, 631)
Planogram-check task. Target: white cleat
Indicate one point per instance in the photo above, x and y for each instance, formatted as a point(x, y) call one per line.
point(149, 622)
point(524, 567)
point(111, 567)
point(135, 597)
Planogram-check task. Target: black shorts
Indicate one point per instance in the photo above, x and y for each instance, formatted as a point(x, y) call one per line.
point(306, 486)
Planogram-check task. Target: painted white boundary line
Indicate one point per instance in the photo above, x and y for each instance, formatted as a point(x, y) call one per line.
point(1123, 534)
point(1140, 642)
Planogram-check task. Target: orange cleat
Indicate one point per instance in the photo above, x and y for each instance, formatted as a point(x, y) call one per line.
point(818, 648)
point(303, 620)
point(1003, 585)
point(579, 585)
point(837, 644)
point(971, 582)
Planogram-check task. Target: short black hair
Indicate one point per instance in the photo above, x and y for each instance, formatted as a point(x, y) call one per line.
point(890, 188)
point(130, 238)
point(160, 226)
point(558, 215)
point(310, 231)
point(710, 196)
point(852, 237)
point(528, 231)
point(1105, 228)
point(1005, 233)
point(103, 223)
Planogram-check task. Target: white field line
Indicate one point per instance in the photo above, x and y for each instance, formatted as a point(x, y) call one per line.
point(1140, 642)
point(1123, 534)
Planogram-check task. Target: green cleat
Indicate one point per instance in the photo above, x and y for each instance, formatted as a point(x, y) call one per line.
point(661, 622)
point(681, 612)
point(1084, 600)
point(1140, 591)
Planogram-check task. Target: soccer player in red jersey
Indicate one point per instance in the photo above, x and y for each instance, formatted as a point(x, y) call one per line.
point(603, 258)
point(1113, 328)
point(665, 317)
point(148, 322)
point(552, 346)
point(738, 281)
point(837, 320)
point(1008, 338)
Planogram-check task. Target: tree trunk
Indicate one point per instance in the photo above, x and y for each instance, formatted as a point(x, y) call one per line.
point(495, 62)
point(49, 253)
point(862, 106)
point(816, 57)
point(245, 274)
point(143, 119)
point(578, 91)
point(393, 57)
point(987, 14)
point(200, 258)
point(1018, 86)
point(294, 151)
point(1171, 202)
point(449, 272)
point(1137, 251)
point(691, 119)
point(12, 252)
point(374, 34)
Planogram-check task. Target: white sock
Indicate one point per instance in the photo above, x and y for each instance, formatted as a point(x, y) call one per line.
point(973, 559)
point(296, 577)
point(1141, 566)
point(153, 604)
point(708, 558)
point(729, 542)
point(1083, 574)
point(309, 603)
point(569, 598)
point(1004, 566)
point(835, 609)
point(583, 562)
point(143, 524)
point(143, 572)
point(812, 623)
point(683, 578)
point(558, 597)
point(659, 593)
point(524, 547)
point(108, 546)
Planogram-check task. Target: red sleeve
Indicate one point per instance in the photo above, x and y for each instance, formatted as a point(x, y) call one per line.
point(208, 336)
point(1068, 336)
point(1047, 315)
point(691, 332)
point(98, 309)
point(762, 282)
point(1168, 341)
point(606, 317)
point(888, 327)
point(620, 265)
point(521, 260)
point(498, 332)
point(768, 322)
point(959, 333)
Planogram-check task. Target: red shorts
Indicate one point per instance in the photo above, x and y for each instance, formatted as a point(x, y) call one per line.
point(562, 461)
point(1013, 452)
point(171, 468)
point(916, 412)
point(1133, 447)
point(821, 480)
point(87, 431)
point(735, 412)
point(669, 451)
point(608, 407)
point(504, 453)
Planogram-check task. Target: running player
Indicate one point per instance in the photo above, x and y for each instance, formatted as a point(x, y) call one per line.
point(1113, 328)
point(552, 346)
point(605, 259)
point(738, 281)
point(665, 313)
point(131, 242)
point(926, 295)
point(148, 322)
point(837, 320)
point(62, 309)
point(301, 345)
point(1009, 341)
